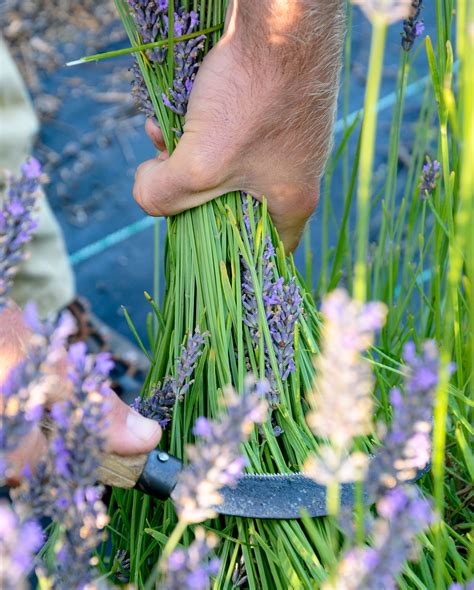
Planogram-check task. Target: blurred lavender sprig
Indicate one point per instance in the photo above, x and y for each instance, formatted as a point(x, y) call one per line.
point(341, 399)
point(283, 308)
point(16, 221)
point(160, 404)
point(19, 542)
point(430, 176)
point(342, 396)
point(63, 485)
point(216, 460)
point(407, 446)
point(403, 514)
point(192, 568)
point(152, 22)
point(413, 26)
point(22, 394)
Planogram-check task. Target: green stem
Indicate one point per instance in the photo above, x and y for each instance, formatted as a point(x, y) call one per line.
point(144, 47)
point(374, 76)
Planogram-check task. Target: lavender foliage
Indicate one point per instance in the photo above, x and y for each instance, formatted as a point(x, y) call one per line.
point(23, 393)
point(413, 27)
point(403, 514)
point(193, 567)
point(283, 308)
point(16, 221)
point(19, 542)
point(430, 176)
point(215, 460)
point(407, 445)
point(63, 485)
point(160, 404)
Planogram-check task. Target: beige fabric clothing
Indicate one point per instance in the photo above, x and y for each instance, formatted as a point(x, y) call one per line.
point(46, 276)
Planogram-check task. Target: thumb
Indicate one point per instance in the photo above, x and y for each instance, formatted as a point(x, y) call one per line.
point(129, 433)
point(183, 181)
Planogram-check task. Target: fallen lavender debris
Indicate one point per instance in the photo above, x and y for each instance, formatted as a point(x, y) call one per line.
point(192, 568)
point(215, 460)
point(159, 405)
point(16, 221)
point(19, 542)
point(403, 514)
point(413, 27)
point(407, 446)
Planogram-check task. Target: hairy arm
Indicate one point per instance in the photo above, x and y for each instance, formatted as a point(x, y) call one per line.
point(260, 115)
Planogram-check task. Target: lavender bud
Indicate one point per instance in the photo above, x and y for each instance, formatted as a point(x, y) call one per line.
point(215, 460)
point(431, 173)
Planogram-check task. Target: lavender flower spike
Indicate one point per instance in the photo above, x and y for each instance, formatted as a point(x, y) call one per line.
point(216, 460)
point(413, 27)
point(16, 221)
point(160, 404)
point(403, 514)
point(191, 568)
point(19, 542)
point(407, 446)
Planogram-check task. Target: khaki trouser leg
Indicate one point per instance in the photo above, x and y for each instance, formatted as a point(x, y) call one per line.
point(46, 277)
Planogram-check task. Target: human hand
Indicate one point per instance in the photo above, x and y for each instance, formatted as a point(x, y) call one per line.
point(259, 117)
point(128, 433)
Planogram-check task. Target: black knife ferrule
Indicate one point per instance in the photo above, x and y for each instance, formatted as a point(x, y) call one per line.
point(159, 475)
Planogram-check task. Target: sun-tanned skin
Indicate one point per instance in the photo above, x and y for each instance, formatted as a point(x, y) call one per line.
point(260, 115)
point(259, 120)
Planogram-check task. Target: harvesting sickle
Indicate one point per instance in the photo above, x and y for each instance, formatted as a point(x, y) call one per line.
point(264, 496)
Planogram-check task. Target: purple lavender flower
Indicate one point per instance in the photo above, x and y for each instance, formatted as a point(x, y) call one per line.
point(63, 486)
point(151, 19)
point(283, 308)
point(16, 221)
point(215, 460)
point(19, 542)
point(407, 446)
point(160, 404)
point(22, 394)
point(413, 27)
point(403, 514)
point(431, 173)
point(192, 568)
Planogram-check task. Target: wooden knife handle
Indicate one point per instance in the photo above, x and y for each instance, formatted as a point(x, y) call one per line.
point(154, 473)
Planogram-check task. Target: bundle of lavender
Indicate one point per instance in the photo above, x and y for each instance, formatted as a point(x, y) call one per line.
point(233, 305)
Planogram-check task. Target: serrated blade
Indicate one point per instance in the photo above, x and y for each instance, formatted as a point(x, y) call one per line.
point(280, 497)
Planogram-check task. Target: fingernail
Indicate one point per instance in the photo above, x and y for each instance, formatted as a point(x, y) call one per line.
point(142, 428)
